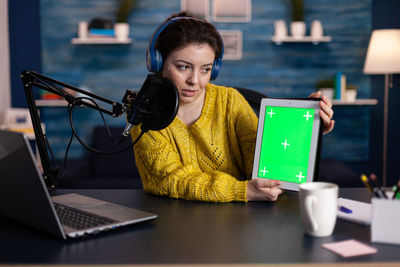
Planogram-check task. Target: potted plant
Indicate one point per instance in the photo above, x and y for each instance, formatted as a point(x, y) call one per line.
point(297, 26)
point(121, 26)
point(351, 93)
point(326, 86)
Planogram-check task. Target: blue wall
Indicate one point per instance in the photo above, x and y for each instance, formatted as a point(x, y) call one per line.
point(289, 70)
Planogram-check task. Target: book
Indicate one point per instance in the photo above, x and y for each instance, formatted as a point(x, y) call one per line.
point(340, 86)
point(94, 32)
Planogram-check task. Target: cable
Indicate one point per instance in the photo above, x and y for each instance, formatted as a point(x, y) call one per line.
point(61, 175)
point(71, 108)
point(52, 169)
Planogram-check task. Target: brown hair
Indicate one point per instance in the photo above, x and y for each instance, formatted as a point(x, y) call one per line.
point(187, 31)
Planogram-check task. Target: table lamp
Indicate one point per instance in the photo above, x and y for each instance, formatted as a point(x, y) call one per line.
point(383, 57)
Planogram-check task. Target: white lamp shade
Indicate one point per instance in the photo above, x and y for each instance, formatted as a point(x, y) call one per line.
point(383, 55)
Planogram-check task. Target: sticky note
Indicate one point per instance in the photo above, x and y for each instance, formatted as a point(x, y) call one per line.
point(350, 248)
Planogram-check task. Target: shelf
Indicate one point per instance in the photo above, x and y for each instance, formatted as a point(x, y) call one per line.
point(51, 103)
point(24, 128)
point(358, 102)
point(118, 35)
point(100, 40)
point(305, 39)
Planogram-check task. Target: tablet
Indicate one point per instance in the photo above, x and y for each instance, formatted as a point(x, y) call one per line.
point(288, 141)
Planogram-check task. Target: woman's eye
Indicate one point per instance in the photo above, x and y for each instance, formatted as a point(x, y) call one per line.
point(183, 67)
point(205, 70)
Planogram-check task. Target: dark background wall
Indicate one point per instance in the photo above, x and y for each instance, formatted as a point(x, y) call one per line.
point(386, 16)
point(25, 48)
point(40, 39)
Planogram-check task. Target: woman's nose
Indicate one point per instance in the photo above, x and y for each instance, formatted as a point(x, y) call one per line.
point(193, 78)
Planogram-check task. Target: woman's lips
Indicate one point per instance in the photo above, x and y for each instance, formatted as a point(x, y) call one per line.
point(188, 92)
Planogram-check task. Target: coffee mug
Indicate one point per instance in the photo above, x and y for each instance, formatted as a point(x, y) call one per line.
point(318, 207)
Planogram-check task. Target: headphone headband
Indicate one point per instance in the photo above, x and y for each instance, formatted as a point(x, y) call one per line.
point(154, 58)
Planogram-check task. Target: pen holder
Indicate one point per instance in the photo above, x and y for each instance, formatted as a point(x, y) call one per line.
point(385, 221)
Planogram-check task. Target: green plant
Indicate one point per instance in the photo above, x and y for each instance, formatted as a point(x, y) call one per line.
point(297, 10)
point(325, 83)
point(351, 87)
point(124, 10)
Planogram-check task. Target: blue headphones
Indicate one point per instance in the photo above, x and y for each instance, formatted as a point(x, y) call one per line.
point(154, 58)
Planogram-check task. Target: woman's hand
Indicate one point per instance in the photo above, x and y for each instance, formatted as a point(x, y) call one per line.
point(263, 189)
point(326, 112)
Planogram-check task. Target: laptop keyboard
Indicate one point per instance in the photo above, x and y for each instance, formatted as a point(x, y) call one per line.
point(78, 219)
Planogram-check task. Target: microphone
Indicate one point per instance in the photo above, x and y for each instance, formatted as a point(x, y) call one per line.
point(155, 106)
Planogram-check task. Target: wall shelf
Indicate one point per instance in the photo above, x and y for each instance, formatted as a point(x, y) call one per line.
point(51, 103)
point(117, 35)
point(358, 102)
point(99, 40)
point(306, 39)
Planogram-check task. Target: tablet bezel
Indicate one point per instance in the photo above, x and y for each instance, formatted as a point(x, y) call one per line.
point(315, 136)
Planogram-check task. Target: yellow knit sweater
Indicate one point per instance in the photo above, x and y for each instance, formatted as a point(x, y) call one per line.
point(210, 160)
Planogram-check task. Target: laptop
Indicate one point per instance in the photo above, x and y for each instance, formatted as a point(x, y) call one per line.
point(25, 198)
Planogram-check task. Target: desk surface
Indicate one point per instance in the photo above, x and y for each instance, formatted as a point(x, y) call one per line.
point(192, 232)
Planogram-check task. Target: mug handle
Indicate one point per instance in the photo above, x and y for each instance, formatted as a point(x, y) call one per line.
point(309, 204)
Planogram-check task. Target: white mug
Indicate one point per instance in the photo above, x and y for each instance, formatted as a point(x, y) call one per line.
point(318, 207)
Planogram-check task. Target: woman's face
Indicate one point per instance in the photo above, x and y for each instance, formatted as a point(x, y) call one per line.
point(189, 68)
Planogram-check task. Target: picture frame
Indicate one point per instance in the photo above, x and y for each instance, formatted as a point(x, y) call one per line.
point(231, 10)
point(233, 44)
point(199, 8)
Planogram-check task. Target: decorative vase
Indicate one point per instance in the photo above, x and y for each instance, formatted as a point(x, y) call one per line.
point(280, 28)
point(83, 30)
point(298, 29)
point(316, 29)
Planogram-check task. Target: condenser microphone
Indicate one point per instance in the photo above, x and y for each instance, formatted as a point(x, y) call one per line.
point(154, 106)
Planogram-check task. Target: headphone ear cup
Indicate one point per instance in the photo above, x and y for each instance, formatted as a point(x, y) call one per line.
point(154, 60)
point(215, 68)
point(158, 61)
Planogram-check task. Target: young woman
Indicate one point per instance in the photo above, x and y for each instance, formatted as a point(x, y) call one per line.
point(207, 152)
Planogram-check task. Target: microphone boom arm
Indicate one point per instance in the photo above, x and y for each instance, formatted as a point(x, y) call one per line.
point(32, 79)
point(154, 107)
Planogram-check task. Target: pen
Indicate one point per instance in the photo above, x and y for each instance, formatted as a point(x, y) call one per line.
point(396, 189)
point(345, 210)
point(364, 179)
point(380, 189)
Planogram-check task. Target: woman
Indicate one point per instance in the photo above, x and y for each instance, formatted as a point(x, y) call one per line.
point(207, 152)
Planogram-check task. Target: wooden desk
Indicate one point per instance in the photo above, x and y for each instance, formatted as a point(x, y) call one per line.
point(196, 233)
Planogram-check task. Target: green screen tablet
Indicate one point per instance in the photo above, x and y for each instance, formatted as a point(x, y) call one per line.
point(287, 142)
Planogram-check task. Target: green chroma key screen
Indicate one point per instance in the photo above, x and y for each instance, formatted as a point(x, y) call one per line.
point(286, 141)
